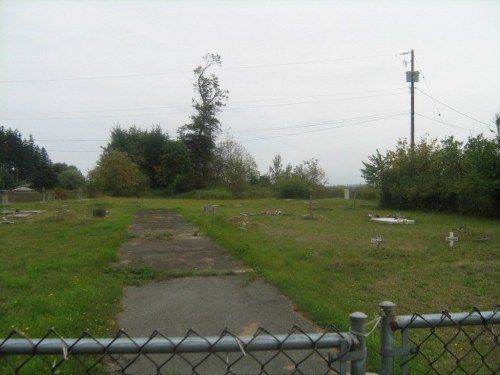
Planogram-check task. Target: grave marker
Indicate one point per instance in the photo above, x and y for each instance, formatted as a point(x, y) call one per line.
point(346, 193)
point(5, 197)
point(377, 241)
point(452, 238)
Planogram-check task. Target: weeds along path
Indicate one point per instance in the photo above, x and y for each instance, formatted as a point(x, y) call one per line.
point(224, 294)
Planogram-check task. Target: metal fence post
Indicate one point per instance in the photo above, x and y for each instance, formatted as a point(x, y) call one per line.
point(358, 328)
point(387, 338)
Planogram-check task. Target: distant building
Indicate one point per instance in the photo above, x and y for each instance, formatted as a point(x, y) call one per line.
point(24, 194)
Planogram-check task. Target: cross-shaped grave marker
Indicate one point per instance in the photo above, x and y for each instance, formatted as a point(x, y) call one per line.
point(377, 241)
point(452, 238)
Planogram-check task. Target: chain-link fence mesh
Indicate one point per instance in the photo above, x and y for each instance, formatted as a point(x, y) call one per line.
point(297, 352)
point(446, 343)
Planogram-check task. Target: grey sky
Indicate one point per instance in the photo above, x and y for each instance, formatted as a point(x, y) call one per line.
point(307, 79)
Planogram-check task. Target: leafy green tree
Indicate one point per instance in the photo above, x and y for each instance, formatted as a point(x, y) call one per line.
point(117, 174)
point(374, 168)
point(174, 171)
point(480, 188)
point(450, 170)
point(445, 176)
point(311, 172)
point(70, 178)
point(296, 181)
point(61, 167)
point(277, 171)
point(234, 167)
point(200, 134)
point(144, 148)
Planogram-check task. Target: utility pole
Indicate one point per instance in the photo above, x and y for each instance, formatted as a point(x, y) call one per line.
point(412, 77)
point(412, 139)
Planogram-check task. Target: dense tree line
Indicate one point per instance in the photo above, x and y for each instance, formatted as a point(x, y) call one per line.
point(137, 159)
point(193, 161)
point(22, 163)
point(444, 176)
point(162, 163)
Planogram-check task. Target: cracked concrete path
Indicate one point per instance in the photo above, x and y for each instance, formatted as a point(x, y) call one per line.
point(164, 240)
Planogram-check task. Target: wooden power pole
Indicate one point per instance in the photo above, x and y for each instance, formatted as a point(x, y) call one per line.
point(412, 77)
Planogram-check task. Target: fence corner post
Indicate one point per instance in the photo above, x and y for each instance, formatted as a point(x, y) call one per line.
point(358, 328)
point(388, 311)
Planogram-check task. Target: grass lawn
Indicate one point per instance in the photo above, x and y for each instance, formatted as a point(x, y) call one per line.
point(55, 266)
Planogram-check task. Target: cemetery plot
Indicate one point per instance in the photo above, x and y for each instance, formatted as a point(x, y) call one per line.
point(7, 216)
point(396, 219)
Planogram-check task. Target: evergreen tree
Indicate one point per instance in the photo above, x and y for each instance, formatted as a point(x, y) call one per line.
point(200, 134)
point(22, 162)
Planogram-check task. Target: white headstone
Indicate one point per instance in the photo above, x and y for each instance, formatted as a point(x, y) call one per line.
point(5, 198)
point(346, 193)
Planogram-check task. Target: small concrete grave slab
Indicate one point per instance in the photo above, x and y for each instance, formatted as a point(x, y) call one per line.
point(396, 219)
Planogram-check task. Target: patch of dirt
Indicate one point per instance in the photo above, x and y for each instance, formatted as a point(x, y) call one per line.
point(165, 241)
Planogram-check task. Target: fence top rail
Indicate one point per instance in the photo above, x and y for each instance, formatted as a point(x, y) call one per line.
point(161, 344)
point(446, 319)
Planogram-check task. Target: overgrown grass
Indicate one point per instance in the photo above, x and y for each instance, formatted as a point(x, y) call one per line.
point(330, 268)
point(55, 267)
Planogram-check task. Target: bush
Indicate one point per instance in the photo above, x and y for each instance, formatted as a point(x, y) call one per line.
point(293, 188)
point(214, 193)
point(368, 193)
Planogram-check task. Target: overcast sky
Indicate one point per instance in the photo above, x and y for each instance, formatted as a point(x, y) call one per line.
point(307, 79)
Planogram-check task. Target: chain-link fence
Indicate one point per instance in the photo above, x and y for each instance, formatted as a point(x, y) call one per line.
point(297, 352)
point(445, 343)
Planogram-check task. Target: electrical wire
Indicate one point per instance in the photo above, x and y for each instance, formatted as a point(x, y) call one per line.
point(75, 151)
point(350, 122)
point(453, 109)
point(442, 122)
point(184, 105)
point(135, 75)
point(71, 140)
point(429, 89)
point(325, 129)
point(229, 108)
point(359, 118)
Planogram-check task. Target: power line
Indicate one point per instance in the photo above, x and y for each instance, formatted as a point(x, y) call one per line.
point(93, 111)
point(429, 89)
point(136, 75)
point(71, 140)
point(75, 151)
point(453, 109)
point(325, 129)
point(442, 122)
point(307, 62)
point(312, 102)
point(352, 119)
point(185, 112)
point(185, 105)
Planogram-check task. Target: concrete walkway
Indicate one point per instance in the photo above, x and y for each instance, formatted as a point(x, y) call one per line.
point(241, 302)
